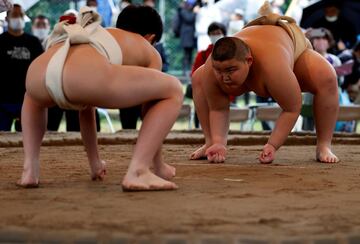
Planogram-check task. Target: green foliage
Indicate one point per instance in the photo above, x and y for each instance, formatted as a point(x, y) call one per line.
point(52, 9)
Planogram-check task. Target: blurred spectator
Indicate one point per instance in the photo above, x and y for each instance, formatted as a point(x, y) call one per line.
point(322, 40)
point(236, 22)
point(150, 3)
point(18, 50)
point(184, 27)
point(215, 32)
point(207, 14)
point(352, 81)
point(41, 28)
point(276, 5)
point(93, 4)
point(1, 26)
point(106, 9)
point(343, 31)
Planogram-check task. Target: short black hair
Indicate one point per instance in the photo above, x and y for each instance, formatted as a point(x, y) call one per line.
point(333, 3)
point(15, 5)
point(140, 19)
point(216, 26)
point(90, 1)
point(228, 48)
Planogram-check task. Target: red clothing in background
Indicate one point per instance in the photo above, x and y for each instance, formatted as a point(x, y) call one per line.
point(201, 58)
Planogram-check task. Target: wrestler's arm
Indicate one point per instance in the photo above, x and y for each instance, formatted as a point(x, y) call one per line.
point(218, 102)
point(283, 86)
point(88, 133)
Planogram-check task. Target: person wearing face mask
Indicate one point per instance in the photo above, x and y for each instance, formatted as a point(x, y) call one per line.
point(93, 4)
point(237, 22)
point(18, 50)
point(215, 32)
point(343, 31)
point(352, 80)
point(322, 40)
point(41, 28)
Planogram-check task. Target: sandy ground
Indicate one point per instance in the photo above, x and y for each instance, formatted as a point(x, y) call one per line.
point(294, 196)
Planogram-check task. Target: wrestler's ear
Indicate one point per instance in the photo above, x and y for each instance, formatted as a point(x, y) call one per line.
point(150, 38)
point(249, 60)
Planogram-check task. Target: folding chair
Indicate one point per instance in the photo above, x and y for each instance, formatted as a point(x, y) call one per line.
point(186, 112)
point(105, 113)
point(349, 113)
point(272, 113)
point(239, 115)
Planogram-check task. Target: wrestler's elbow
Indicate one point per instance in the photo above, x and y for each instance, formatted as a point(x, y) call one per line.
point(293, 108)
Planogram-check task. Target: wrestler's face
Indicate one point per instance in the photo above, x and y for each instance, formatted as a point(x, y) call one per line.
point(232, 73)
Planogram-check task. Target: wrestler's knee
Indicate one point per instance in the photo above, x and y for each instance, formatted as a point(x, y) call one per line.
point(326, 82)
point(176, 90)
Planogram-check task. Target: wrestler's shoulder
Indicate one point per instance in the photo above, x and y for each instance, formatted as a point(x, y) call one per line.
point(116, 32)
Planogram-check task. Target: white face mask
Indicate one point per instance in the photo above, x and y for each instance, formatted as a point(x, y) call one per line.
point(41, 33)
point(321, 45)
point(16, 24)
point(331, 18)
point(215, 38)
point(94, 9)
point(236, 25)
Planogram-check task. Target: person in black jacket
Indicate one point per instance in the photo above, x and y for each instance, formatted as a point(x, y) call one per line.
point(344, 31)
point(186, 17)
point(18, 50)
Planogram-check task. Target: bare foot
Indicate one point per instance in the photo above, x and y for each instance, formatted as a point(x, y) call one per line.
point(29, 179)
point(145, 180)
point(325, 155)
point(164, 170)
point(199, 153)
point(99, 171)
point(268, 154)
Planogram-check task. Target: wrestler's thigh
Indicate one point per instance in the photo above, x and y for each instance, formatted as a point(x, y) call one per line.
point(35, 83)
point(115, 86)
point(314, 72)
